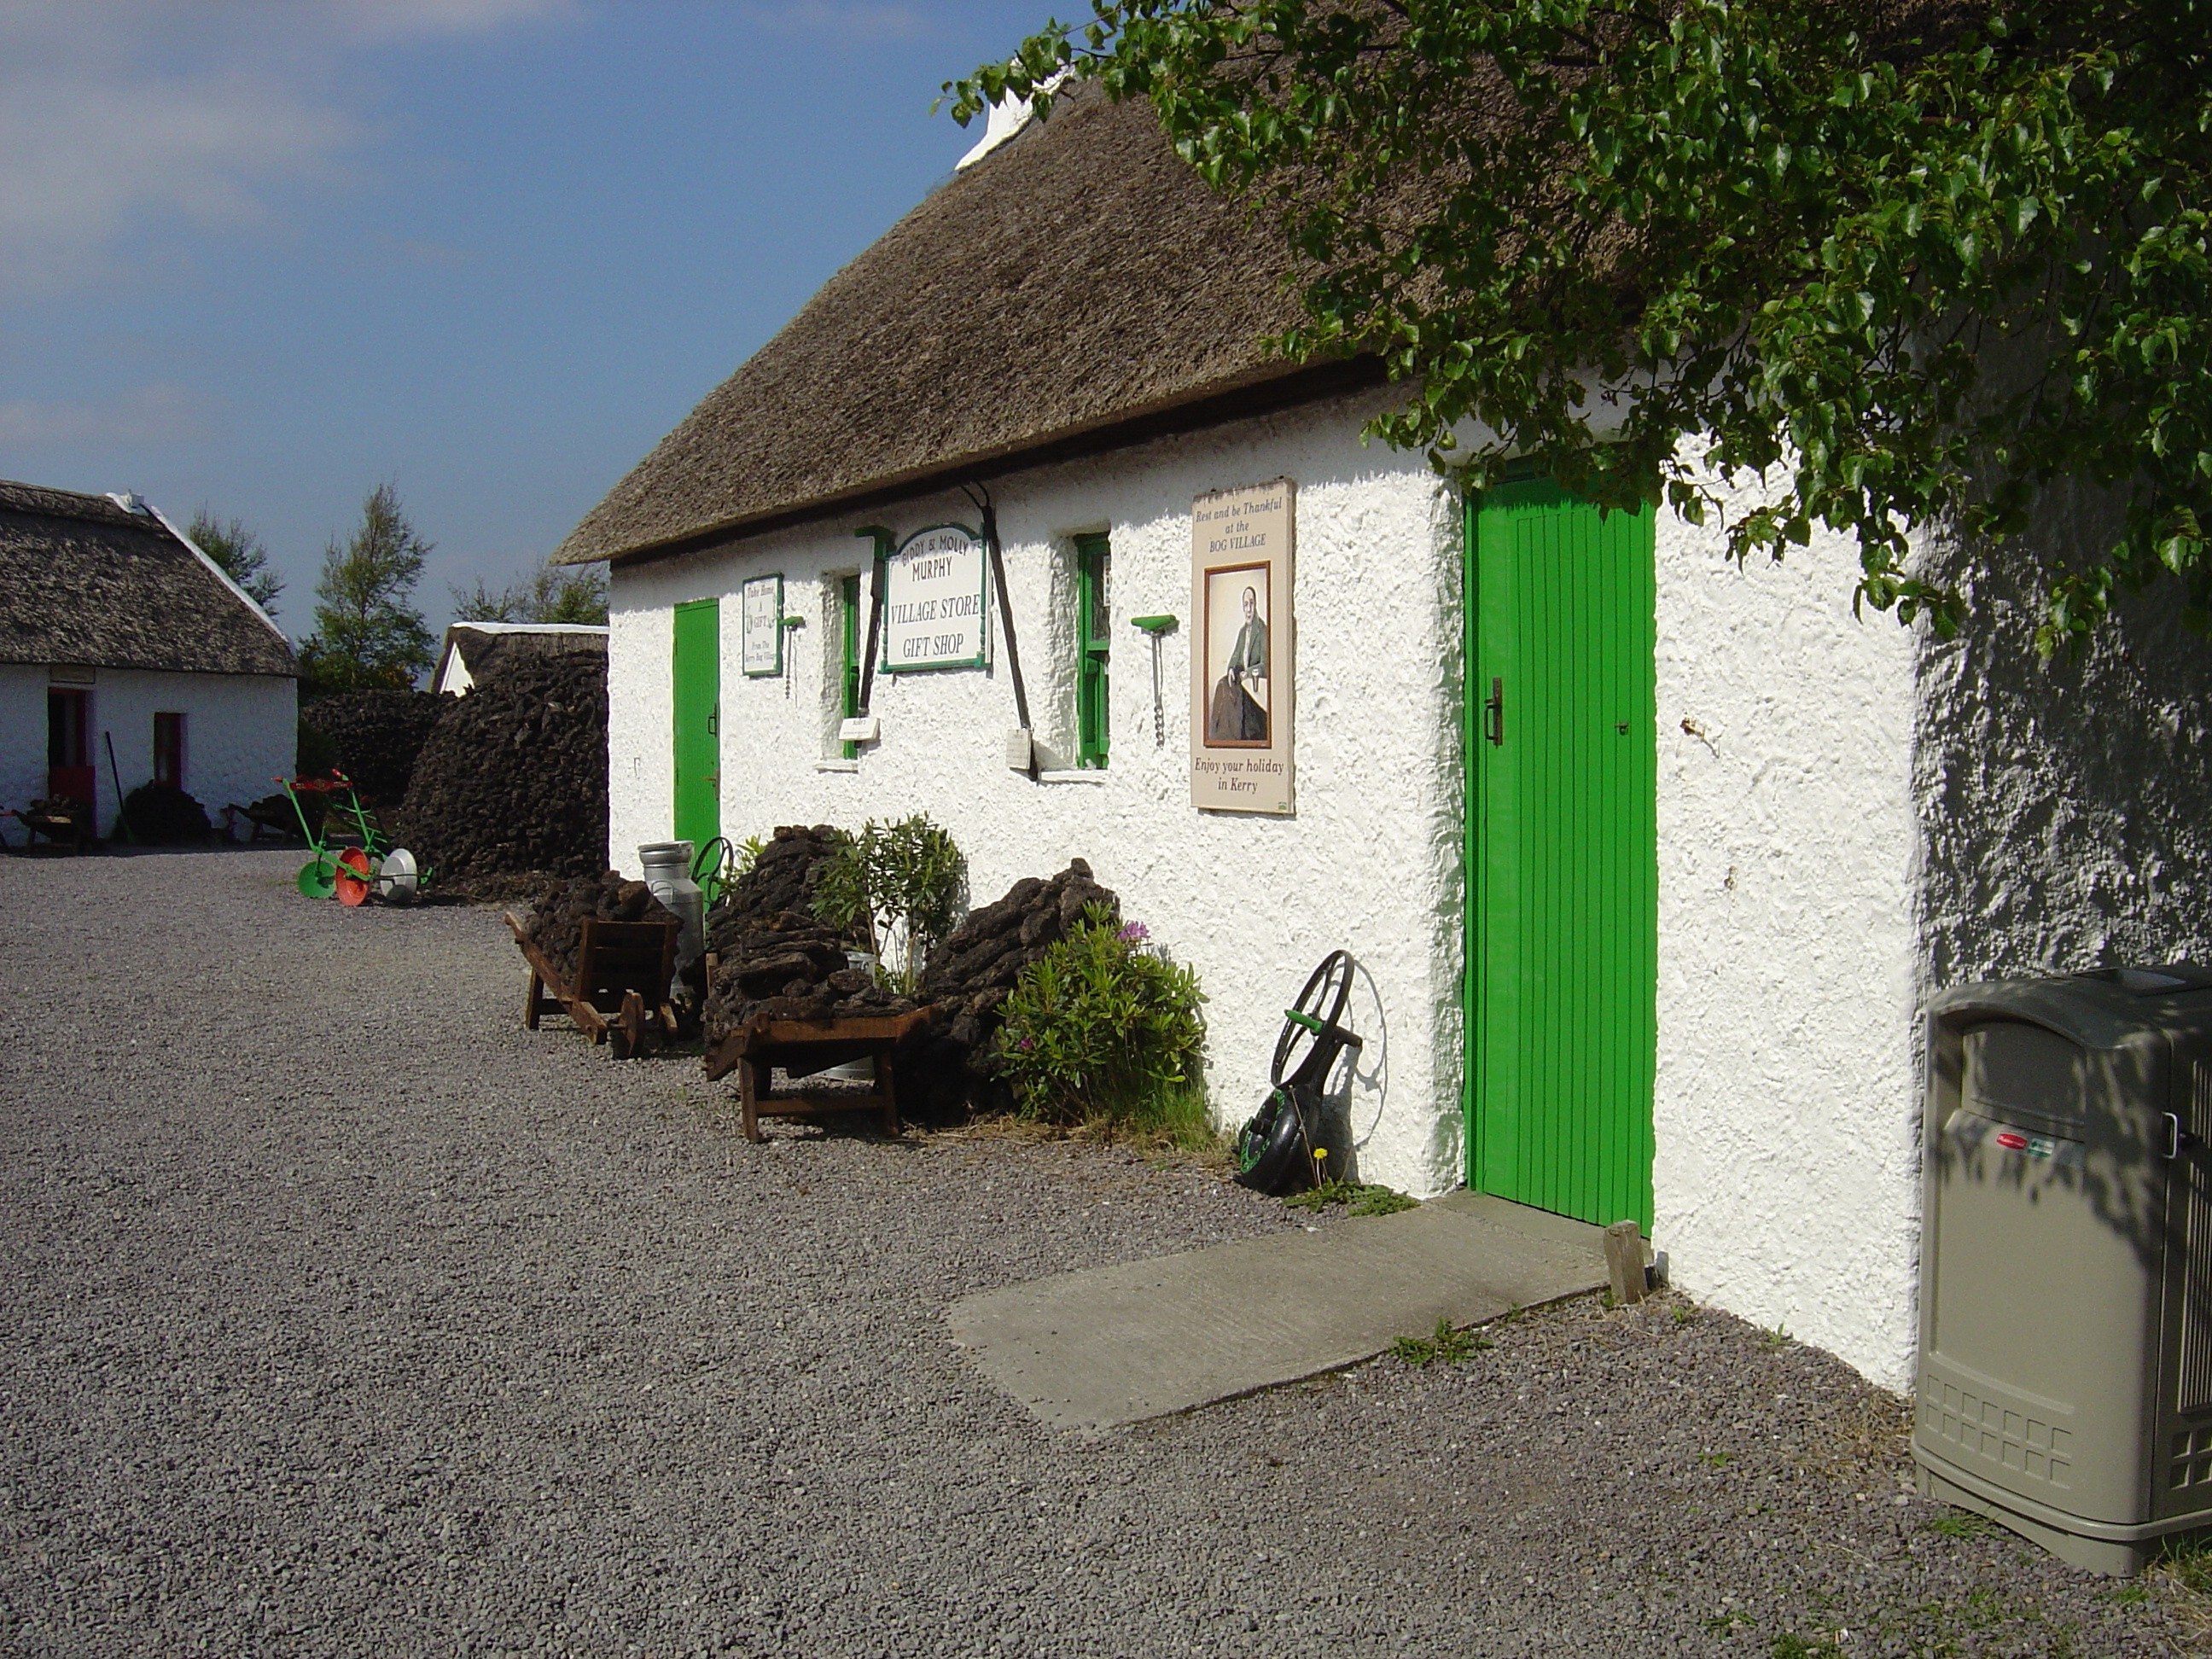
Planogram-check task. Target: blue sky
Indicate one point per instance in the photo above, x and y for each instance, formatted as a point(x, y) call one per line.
point(263, 254)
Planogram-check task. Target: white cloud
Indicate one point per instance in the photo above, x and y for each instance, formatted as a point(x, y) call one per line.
point(119, 115)
point(159, 413)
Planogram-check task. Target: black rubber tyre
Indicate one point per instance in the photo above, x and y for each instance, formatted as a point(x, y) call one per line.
point(1271, 1155)
point(1321, 1003)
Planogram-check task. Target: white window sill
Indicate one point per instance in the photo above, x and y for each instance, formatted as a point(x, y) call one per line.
point(1084, 775)
point(838, 766)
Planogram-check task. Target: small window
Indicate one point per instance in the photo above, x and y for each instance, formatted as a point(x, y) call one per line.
point(848, 655)
point(1094, 607)
point(169, 749)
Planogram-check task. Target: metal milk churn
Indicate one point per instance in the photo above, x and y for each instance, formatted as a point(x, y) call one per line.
point(668, 873)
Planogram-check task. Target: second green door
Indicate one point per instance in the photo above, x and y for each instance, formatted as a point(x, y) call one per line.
point(1562, 854)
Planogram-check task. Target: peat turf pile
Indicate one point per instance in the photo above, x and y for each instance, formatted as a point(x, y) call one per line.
point(378, 736)
point(556, 922)
point(514, 778)
point(162, 814)
point(772, 955)
point(972, 972)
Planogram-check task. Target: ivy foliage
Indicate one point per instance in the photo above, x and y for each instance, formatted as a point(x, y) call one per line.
point(1911, 262)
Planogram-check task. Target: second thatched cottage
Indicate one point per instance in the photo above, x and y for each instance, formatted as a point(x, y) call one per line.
point(127, 657)
point(1646, 861)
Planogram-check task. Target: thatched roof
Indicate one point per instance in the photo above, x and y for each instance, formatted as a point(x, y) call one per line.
point(84, 581)
point(1079, 286)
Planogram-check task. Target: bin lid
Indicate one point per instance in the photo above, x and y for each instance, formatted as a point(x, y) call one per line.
point(2101, 1008)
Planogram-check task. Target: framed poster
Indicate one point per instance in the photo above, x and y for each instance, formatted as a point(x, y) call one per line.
point(935, 611)
point(760, 623)
point(1242, 663)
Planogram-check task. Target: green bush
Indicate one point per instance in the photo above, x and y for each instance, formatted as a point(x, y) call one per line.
point(1105, 1028)
point(895, 884)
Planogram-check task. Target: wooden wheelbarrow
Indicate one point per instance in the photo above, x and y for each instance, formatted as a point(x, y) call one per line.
point(623, 969)
point(802, 1048)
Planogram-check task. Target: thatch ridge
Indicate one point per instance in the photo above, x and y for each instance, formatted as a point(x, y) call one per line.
point(87, 582)
point(1078, 278)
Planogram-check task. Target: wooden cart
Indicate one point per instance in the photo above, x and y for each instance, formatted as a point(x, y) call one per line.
point(623, 970)
point(802, 1048)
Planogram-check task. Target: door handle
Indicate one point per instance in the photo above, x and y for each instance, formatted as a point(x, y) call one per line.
point(714, 722)
point(1493, 714)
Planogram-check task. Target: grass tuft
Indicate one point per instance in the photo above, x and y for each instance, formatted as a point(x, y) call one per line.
point(1452, 1347)
point(1359, 1197)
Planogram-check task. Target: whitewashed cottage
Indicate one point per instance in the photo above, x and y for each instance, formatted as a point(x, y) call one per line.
point(128, 657)
point(1647, 861)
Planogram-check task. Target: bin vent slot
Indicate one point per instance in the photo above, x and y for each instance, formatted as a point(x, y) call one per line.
point(2196, 1292)
point(2009, 1064)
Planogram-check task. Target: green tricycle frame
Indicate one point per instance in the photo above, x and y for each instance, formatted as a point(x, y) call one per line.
point(329, 871)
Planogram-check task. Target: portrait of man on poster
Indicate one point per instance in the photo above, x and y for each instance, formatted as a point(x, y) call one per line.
point(1236, 617)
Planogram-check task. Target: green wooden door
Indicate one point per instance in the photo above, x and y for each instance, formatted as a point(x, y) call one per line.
point(698, 683)
point(1562, 854)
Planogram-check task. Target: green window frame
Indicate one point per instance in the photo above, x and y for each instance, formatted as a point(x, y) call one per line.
point(1094, 578)
point(848, 655)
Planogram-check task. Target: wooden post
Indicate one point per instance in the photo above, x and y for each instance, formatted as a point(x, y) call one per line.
point(1624, 1261)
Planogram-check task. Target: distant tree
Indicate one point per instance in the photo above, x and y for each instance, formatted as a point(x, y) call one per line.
point(368, 635)
point(551, 593)
point(240, 553)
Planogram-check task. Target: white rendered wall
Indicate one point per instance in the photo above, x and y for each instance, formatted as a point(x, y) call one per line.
point(2066, 808)
point(1368, 862)
point(1786, 1172)
point(240, 732)
point(22, 737)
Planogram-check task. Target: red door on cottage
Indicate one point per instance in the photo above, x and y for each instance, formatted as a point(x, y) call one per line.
point(68, 749)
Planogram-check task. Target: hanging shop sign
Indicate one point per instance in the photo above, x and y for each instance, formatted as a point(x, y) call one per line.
point(1241, 662)
point(760, 612)
point(935, 612)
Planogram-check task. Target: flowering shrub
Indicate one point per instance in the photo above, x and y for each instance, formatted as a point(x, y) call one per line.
point(1104, 1027)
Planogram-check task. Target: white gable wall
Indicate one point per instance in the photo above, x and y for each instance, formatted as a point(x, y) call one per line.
point(241, 733)
point(22, 737)
point(1369, 861)
point(1785, 1178)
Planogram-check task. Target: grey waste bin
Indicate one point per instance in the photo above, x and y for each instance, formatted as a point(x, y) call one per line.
point(2065, 1386)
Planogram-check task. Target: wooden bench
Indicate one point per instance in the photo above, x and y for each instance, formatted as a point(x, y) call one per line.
point(802, 1048)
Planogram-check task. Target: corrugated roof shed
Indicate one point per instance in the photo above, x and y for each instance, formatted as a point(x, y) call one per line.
point(482, 648)
point(84, 581)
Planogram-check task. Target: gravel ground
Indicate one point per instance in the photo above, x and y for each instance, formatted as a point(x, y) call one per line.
point(344, 1316)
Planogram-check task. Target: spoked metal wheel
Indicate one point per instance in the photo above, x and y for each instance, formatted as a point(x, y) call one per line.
point(1319, 1007)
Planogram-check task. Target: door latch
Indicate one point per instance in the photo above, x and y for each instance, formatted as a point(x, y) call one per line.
point(2178, 1139)
point(1493, 714)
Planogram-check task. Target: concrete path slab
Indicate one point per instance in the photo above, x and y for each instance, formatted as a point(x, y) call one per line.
point(1116, 1345)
